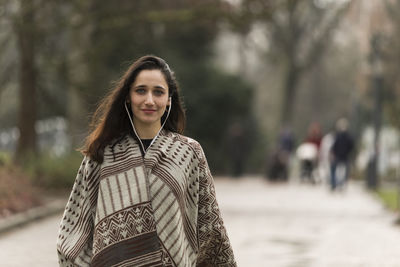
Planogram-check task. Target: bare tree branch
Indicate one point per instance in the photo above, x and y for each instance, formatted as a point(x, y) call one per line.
point(320, 44)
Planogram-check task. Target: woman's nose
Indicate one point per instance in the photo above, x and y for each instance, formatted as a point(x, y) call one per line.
point(149, 99)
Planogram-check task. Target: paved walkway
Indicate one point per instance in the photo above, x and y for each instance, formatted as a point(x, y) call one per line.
point(33, 245)
point(287, 225)
point(295, 225)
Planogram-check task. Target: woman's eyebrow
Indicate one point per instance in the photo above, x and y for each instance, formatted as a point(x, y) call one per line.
point(145, 86)
point(160, 87)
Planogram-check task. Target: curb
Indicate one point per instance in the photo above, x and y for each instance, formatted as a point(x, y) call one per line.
point(20, 219)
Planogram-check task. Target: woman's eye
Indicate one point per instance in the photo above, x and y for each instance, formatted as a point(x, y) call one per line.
point(158, 92)
point(140, 91)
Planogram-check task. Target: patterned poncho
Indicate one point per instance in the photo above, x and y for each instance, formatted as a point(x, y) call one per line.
point(156, 210)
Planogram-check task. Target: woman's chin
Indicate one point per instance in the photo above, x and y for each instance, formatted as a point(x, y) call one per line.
point(148, 121)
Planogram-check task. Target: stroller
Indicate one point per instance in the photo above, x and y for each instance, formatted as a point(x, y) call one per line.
point(307, 153)
point(278, 166)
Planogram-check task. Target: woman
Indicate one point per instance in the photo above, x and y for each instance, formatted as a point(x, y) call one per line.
point(144, 195)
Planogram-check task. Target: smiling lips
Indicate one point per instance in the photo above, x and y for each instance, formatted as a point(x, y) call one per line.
point(148, 111)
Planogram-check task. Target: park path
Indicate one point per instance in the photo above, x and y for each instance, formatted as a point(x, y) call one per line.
point(296, 225)
point(290, 225)
point(32, 245)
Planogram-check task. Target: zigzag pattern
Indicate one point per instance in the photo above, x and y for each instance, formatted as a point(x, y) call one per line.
point(215, 248)
point(160, 210)
point(122, 225)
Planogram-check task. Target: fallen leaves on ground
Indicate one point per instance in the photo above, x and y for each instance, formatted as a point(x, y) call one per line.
point(17, 194)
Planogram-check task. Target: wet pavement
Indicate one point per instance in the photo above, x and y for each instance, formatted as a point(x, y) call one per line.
point(291, 225)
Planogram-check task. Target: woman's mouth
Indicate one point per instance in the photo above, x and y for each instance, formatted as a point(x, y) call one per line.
point(148, 111)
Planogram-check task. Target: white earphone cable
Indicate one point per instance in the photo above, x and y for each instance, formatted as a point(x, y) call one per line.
point(162, 126)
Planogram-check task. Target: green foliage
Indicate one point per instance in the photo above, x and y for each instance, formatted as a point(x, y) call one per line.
point(390, 198)
point(5, 158)
point(390, 49)
point(214, 101)
point(47, 171)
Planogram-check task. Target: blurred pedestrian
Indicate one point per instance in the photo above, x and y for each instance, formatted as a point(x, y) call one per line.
point(307, 153)
point(341, 149)
point(143, 195)
point(314, 134)
point(279, 163)
point(325, 157)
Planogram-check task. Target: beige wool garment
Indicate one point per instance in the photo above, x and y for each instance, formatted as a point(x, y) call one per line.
point(156, 210)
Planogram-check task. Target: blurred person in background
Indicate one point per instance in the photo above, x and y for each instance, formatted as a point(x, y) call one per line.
point(314, 135)
point(325, 157)
point(308, 153)
point(342, 147)
point(144, 194)
point(279, 163)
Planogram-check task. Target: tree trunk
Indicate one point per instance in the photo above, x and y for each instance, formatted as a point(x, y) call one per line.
point(25, 29)
point(289, 95)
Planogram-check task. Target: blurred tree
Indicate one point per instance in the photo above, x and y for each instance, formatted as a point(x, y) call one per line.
point(25, 30)
point(52, 52)
point(298, 31)
point(81, 42)
point(80, 46)
point(8, 64)
point(102, 35)
point(241, 19)
point(49, 50)
point(301, 32)
point(214, 102)
point(35, 26)
point(180, 32)
point(330, 83)
point(391, 58)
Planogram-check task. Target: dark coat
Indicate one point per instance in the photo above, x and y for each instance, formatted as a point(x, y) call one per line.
point(342, 146)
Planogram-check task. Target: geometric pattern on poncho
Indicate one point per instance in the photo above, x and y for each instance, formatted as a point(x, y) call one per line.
point(128, 238)
point(160, 210)
point(123, 225)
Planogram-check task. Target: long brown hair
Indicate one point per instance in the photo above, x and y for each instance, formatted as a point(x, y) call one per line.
point(110, 120)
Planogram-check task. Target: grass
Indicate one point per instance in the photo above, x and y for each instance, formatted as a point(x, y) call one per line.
point(390, 198)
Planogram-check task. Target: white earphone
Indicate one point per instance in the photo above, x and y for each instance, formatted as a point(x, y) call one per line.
point(133, 126)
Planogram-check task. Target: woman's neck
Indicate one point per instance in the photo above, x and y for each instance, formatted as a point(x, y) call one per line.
point(147, 131)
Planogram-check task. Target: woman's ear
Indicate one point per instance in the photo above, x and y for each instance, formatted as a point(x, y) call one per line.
point(169, 100)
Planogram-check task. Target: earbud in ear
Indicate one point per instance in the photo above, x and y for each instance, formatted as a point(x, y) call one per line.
point(169, 102)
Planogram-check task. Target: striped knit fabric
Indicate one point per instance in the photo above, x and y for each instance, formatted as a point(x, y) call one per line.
point(159, 210)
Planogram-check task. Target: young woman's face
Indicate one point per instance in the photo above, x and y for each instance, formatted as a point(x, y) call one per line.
point(149, 98)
